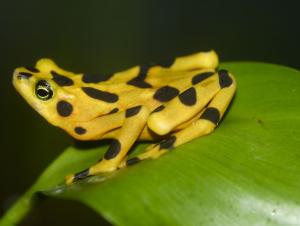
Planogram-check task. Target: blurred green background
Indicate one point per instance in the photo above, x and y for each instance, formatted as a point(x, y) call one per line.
point(106, 36)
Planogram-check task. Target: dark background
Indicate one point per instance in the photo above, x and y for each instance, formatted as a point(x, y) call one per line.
point(106, 36)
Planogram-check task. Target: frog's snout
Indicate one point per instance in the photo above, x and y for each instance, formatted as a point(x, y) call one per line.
point(20, 79)
point(21, 75)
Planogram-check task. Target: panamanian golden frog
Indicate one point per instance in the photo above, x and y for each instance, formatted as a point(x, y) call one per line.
point(170, 103)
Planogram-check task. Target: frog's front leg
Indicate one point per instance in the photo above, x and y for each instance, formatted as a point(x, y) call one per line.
point(135, 120)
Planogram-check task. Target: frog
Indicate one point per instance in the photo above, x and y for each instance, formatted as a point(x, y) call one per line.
point(168, 103)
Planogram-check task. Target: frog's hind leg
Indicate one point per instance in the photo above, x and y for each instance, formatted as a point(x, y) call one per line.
point(184, 107)
point(135, 121)
point(206, 123)
point(201, 60)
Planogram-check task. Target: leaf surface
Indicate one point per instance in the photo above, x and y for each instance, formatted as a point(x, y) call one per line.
point(247, 172)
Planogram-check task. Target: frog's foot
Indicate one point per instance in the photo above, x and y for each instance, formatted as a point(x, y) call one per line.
point(102, 167)
point(199, 128)
point(69, 179)
point(136, 118)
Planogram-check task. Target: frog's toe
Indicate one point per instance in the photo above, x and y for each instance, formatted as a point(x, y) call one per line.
point(77, 176)
point(69, 179)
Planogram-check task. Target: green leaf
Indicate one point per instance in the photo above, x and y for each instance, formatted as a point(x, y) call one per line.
point(247, 172)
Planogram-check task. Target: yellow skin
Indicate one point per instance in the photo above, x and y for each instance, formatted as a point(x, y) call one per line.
point(171, 103)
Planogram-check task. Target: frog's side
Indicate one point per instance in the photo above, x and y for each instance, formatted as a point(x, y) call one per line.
point(172, 102)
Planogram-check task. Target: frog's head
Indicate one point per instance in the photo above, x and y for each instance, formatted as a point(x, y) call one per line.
point(53, 93)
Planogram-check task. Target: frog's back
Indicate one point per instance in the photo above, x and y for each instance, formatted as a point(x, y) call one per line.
point(155, 83)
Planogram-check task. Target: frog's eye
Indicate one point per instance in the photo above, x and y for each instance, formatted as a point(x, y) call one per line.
point(43, 90)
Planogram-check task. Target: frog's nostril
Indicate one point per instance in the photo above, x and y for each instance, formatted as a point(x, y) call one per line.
point(24, 75)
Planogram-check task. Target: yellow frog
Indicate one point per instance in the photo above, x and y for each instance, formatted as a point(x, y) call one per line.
point(171, 102)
